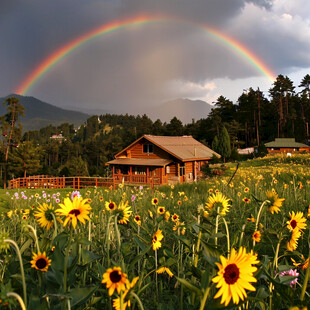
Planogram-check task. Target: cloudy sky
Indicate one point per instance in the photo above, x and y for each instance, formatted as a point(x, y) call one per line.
point(145, 65)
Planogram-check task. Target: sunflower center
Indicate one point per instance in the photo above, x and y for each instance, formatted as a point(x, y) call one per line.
point(111, 206)
point(155, 238)
point(75, 212)
point(137, 218)
point(115, 277)
point(231, 274)
point(293, 224)
point(41, 263)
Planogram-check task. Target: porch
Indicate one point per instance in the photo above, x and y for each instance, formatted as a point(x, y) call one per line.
point(139, 171)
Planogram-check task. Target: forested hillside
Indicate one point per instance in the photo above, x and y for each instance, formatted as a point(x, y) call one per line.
point(253, 120)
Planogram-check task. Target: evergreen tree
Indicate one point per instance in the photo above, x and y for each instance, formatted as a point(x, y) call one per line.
point(224, 143)
point(215, 144)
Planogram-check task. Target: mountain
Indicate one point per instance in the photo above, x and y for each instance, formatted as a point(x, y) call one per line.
point(40, 114)
point(184, 109)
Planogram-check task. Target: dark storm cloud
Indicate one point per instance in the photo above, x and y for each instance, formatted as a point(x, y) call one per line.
point(138, 66)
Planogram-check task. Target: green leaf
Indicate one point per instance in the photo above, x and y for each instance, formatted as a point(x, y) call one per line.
point(88, 257)
point(190, 286)
point(81, 295)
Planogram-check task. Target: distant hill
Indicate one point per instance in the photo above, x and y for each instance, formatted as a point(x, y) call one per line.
point(40, 114)
point(184, 109)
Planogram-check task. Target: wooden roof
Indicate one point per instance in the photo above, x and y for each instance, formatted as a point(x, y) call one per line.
point(185, 148)
point(285, 142)
point(140, 162)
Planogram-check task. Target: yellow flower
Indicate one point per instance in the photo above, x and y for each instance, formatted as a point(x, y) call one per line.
point(137, 219)
point(155, 201)
point(275, 201)
point(75, 210)
point(125, 212)
point(44, 215)
point(161, 210)
point(293, 243)
point(158, 236)
point(246, 190)
point(164, 269)
point(296, 221)
point(256, 236)
point(179, 202)
point(235, 276)
point(115, 279)
point(167, 216)
point(246, 200)
point(218, 200)
point(117, 301)
point(40, 261)
point(175, 218)
point(110, 205)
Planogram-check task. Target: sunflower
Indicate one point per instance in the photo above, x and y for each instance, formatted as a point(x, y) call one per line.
point(275, 201)
point(256, 236)
point(234, 276)
point(179, 202)
point(293, 243)
point(110, 205)
point(101, 198)
point(246, 190)
point(117, 301)
point(158, 236)
point(297, 221)
point(161, 210)
point(40, 261)
point(218, 200)
point(125, 212)
point(167, 216)
point(246, 200)
point(164, 269)
point(44, 215)
point(154, 201)
point(303, 265)
point(175, 218)
point(137, 219)
point(75, 210)
point(115, 279)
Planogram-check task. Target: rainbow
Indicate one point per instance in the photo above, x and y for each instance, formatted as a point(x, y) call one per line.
point(68, 48)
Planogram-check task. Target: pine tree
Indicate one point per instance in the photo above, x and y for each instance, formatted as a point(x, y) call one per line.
point(224, 143)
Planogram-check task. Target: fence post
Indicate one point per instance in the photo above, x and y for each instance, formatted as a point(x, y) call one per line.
point(78, 182)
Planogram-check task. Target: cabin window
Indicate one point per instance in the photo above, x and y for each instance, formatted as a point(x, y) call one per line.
point(148, 148)
point(182, 169)
point(168, 169)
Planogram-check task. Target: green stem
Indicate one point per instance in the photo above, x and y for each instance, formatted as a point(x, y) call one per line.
point(138, 300)
point(66, 262)
point(121, 301)
point(156, 274)
point(204, 299)
point(21, 267)
point(258, 217)
point(305, 284)
point(227, 235)
point(35, 236)
point(19, 299)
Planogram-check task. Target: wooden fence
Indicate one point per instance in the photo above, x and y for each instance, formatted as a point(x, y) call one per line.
point(45, 181)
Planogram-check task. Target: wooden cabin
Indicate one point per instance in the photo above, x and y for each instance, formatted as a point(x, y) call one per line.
point(286, 145)
point(161, 160)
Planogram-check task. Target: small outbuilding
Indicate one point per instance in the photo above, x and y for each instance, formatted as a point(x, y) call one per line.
point(161, 160)
point(286, 145)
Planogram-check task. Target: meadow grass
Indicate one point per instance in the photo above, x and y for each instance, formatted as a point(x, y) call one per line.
point(186, 236)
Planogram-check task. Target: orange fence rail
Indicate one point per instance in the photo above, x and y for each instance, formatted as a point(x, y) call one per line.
point(45, 181)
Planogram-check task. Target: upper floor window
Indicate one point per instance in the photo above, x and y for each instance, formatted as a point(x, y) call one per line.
point(148, 148)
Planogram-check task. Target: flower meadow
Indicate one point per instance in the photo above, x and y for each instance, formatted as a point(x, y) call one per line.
point(239, 241)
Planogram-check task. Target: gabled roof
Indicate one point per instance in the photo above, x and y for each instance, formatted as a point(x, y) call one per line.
point(185, 148)
point(285, 142)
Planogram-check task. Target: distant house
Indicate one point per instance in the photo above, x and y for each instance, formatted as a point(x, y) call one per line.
point(161, 160)
point(246, 151)
point(286, 145)
point(57, 137)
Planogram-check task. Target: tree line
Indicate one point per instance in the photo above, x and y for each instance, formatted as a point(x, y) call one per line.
point(253, 120)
